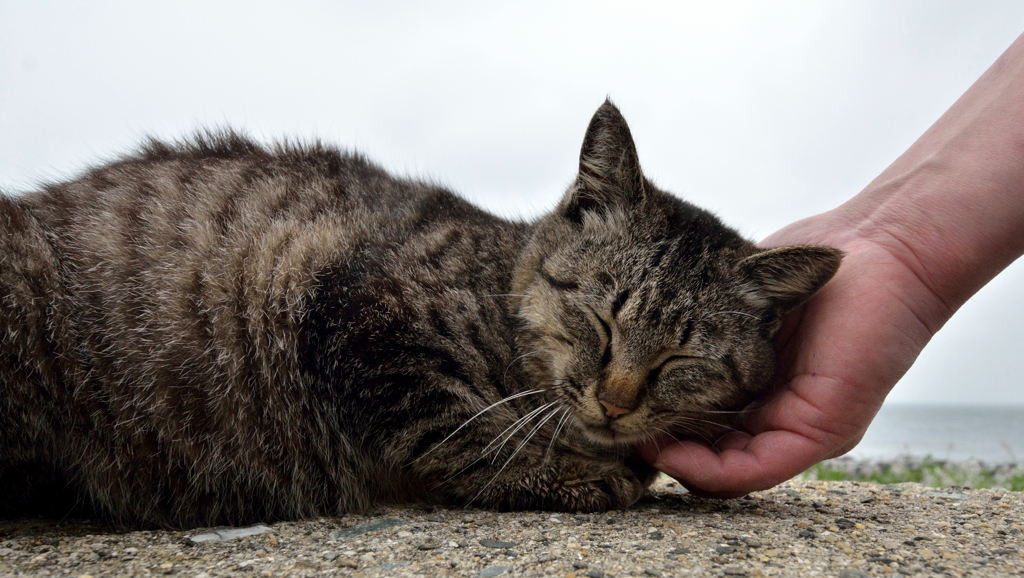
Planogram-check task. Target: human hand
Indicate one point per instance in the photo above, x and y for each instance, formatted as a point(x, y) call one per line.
point(839, 355)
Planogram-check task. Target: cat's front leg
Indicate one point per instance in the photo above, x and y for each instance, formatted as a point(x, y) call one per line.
point(564, 482)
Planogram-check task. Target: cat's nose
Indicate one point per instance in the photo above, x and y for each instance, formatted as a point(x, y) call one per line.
point(613, 411)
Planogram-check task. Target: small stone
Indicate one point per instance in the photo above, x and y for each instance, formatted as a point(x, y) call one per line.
point(806, 534)
point(678, 551)
point(948, 496)
point(772, 552)
point(494, 571)
point(927, 554)
point(724, 549)
point(579, 564)
point(853, 573)
point(844, 524)
point(330, 555)
point(488, 543)
point(751, 542)
point(652, 572)
point(438, 519)
point(380, 524)
point(348, 562)
point(404, 534)
point(224, 534)
point(390, 566)
point(734, 571)
point(656, 536)
point(594, 574)
point(428, 546)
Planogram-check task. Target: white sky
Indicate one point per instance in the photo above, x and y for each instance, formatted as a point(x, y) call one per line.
point(764, 112)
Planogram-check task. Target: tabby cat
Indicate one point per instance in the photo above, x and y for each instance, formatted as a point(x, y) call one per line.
point(216, 332)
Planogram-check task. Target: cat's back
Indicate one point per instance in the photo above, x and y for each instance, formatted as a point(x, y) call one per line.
point(192, 263)
point(217, 186)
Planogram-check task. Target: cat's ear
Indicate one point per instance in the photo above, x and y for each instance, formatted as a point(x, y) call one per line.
point(780, 279)
point(609, 168)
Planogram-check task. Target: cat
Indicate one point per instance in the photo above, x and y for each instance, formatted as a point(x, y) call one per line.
point(220, 332)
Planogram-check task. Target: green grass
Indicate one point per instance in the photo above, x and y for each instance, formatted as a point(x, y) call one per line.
point(927, 471)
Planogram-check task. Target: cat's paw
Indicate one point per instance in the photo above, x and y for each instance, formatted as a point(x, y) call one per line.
point(579, 486)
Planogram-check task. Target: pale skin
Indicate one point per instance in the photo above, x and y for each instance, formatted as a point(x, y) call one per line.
point(944, 219)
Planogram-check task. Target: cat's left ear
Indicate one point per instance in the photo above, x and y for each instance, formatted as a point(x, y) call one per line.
point(782, 278)
point(609, 168)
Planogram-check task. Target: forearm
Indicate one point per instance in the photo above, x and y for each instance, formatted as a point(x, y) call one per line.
point(952, 206)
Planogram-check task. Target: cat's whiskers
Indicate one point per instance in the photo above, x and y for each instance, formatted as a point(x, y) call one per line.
point(692, 426)
point(478, 414)
point(521, 422)
point(667, 432)
point(521, 445)
point(470, 464)
point(513, 362)
point(530, 435)
point(558, 428)
point(743, 313)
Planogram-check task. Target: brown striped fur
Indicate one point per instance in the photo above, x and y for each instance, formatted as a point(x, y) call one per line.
point(216, 331)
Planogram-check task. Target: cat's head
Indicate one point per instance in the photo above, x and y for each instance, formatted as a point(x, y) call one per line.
point(644, 313)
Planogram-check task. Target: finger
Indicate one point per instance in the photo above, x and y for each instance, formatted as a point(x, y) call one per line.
point(759, 463)
point(734, 441)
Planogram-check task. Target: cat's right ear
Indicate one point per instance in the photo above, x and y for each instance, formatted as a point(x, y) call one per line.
point(610, 173)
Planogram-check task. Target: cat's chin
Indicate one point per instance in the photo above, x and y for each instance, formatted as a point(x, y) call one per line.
point(607, 436)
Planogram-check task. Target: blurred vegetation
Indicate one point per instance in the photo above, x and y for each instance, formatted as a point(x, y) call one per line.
point(928, 471)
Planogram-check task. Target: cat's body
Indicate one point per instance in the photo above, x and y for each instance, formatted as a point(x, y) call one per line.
point(216, 332)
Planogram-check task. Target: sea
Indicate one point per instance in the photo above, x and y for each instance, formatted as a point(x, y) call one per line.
point(991, 434)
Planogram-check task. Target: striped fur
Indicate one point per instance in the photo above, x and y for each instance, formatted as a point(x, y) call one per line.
point(216, 331)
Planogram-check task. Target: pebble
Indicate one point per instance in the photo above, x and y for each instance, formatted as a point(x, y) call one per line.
point(221, 534)
point(494, 571)
point(347, 562)
point(488, 543)
point(359, 529)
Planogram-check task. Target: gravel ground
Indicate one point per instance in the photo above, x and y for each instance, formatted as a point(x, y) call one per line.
point(843, 529)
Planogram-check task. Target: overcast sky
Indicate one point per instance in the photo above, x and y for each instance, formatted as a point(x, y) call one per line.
point(764, 112)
